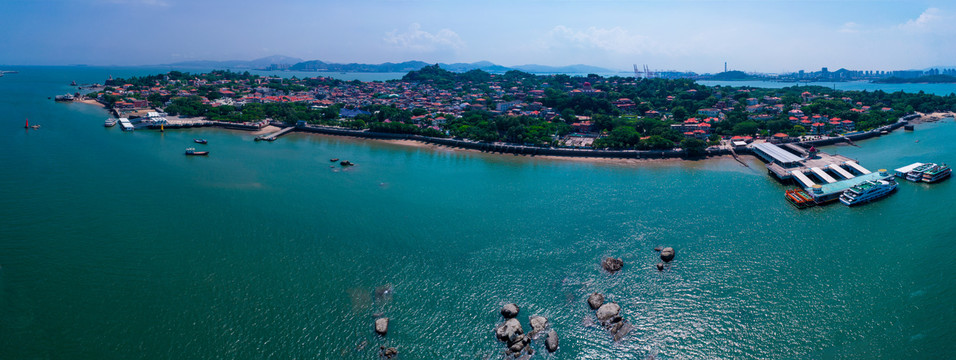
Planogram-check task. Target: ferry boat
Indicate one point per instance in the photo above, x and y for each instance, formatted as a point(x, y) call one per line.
point(916, 175)
point(110, 122)
point(867, 191)
point(66, 97)
point(799, 198)
point(192, 151)
point(936, 173)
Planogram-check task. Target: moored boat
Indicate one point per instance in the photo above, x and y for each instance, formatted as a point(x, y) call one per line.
point(799, 198)
point(937, 173)
point(200, 141)
point(110, 122)
point(192, 151)
point(867, 192)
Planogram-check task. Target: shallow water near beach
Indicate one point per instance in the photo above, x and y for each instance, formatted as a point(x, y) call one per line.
point(116, 245)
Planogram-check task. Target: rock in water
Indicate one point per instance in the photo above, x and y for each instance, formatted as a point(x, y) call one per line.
point(667, 254)
point(538, 323)
point(612, 265)
point(388, 353)
point(658, 248)
point(660, 266)
point(595, 300)
point(507, 331)
point(509, 311)
point(608, 311)
point(552, 342)
point(381, 326)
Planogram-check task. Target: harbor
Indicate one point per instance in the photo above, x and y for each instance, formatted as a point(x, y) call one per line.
point(823, 176)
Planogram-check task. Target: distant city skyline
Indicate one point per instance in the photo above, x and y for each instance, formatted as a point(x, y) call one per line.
point(698, 36)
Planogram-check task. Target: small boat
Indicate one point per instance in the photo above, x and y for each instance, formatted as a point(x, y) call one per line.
point(334, 160)
point(192, 151)
point(200, 141)
point(110, 122)
point(799, 198)
point(346, 163)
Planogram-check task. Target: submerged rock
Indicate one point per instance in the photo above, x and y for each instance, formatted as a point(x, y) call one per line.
point(608, 311)
point(667, 254)
point(611, 264)
point(595, 300)
point(551, 343)
point(508, 330)
point(384, 292)
point(387, 353)
point(381, 325)
point(509, 311)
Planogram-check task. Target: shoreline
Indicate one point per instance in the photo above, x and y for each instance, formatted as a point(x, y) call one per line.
point(563, 154)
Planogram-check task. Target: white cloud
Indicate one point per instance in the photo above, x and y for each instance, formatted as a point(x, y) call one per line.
point(416, 39)
point(615, 39)
point(924, 22)
point(850, 28)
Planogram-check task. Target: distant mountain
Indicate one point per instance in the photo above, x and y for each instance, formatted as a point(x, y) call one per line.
point(570, 69)
point(239, 64)
point(731, 75)
point(319, 65)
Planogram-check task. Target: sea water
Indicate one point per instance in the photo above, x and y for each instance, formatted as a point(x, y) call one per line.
point(116, 245)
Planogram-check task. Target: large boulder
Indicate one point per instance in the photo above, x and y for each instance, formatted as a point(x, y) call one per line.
point(595, 301)
point(608, 311)
point(507, 331)
point(551, 343)
point(611, 264)
point(381, 325)
point(538, 323)
point(509, 311)
point(667, 254)
point(518, 343)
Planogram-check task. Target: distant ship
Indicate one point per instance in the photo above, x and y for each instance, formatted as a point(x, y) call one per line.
point(867, 192)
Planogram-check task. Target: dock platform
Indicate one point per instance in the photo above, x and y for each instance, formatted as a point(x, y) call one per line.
point(275, 135)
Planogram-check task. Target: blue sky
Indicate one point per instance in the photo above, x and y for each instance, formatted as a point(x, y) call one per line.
point(765, 36)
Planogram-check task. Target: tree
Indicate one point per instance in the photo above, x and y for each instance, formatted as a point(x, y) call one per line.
point(693, 146)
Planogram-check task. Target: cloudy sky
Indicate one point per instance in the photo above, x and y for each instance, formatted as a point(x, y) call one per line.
point(753, 35)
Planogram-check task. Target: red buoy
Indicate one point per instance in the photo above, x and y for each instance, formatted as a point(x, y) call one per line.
point(27, 126)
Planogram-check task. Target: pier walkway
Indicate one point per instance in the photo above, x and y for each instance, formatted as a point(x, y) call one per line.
point(857, 167)
point(276, 135)
point(837, 169)
point(822, 175)
point(802, 179)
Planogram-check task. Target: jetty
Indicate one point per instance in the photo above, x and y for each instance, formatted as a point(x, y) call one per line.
point(275, 135)
point(823, 176)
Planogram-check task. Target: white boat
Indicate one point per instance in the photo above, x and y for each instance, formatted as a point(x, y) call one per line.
point(936, 173)
point(916, 175)
point(110, 122)
point(867, 191)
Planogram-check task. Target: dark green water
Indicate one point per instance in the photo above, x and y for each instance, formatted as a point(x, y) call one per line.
point(115, 245)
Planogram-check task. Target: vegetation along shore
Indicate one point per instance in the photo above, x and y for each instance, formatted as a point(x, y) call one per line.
point(522, 113)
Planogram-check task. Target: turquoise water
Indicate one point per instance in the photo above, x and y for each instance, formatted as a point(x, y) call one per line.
point(115, 245)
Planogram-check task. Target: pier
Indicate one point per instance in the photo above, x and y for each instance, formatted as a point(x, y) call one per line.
point(275, 135)
point(823, 176)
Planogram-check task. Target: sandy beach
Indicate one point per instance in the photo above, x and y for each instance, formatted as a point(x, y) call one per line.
point(932, 117)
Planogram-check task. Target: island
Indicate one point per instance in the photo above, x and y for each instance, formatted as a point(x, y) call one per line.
point(521, 109)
